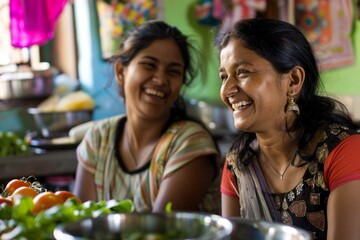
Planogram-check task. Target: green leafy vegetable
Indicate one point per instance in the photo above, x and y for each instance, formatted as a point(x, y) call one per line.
point(12, 144)
point(18, 221)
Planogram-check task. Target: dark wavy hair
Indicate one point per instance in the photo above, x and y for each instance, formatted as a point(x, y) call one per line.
point(285, 47)
point(143, 35)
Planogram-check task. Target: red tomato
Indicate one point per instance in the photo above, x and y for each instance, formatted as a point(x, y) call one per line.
point(66, 194)
point(45, 200)
point(6, 200)
point(24, 191)
point(15, 184)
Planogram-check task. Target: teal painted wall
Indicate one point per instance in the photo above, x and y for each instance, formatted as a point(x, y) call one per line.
point(96, 75)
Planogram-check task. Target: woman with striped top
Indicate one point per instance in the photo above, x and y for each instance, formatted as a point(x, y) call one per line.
point(154, 154)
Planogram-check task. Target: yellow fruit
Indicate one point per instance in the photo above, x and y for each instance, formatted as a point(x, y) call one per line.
point(73, 101)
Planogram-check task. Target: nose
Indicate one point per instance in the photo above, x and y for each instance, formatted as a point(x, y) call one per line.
point(229, 88)
point(161, 77)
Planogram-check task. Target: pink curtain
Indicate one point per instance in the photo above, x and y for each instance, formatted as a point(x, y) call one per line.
point(32, 22)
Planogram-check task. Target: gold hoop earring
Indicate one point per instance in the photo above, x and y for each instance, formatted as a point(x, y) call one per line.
point(292, 106)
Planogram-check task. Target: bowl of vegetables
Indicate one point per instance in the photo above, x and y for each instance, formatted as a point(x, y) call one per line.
point(171, 225)
point(30, 211)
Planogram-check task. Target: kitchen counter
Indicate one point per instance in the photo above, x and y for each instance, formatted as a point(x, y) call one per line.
point(54, 162)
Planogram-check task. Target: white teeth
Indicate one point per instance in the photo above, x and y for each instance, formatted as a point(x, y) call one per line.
point(239, 105)
point(154, 92)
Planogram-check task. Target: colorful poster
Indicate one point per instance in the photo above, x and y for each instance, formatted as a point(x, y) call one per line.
point(117, 17)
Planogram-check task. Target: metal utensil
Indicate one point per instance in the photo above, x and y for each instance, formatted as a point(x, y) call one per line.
point(52, 123)
point(27, 83)
point(245, 229)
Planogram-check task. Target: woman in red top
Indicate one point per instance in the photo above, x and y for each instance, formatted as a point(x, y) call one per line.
point(297, 157)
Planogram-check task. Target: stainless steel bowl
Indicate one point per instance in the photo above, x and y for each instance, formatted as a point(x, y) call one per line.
point(177, 225)
point(55, 124)
point(27, 83)
point(245, 229)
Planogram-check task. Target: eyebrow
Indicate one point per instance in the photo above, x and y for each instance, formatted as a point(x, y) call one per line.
point(238, 64)
point(157, 60)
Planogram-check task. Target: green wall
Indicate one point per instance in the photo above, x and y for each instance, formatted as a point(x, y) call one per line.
point(345, 80)
point(207, 85)
point(341, 81)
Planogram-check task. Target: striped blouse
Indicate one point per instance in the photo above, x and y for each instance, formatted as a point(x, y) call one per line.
point(181, 143)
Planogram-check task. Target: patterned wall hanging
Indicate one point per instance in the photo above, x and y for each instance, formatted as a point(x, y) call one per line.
point(117, 17)
point(327, 24)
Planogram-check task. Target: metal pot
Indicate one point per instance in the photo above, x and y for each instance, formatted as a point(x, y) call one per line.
point(27, 83)
point(176, 225)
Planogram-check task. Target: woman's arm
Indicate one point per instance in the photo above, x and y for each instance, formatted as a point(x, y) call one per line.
point(186, 187)
point(344, 212)
point(84, 186)
point(229, 206)
point(342, 172)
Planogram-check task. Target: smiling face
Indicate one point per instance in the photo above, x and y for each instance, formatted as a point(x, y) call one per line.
point(252, 89)
point(153, 79)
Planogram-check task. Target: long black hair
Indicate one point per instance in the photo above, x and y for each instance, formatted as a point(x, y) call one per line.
point(284, 46)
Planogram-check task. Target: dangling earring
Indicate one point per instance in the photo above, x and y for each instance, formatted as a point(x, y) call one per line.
point(292, 106)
